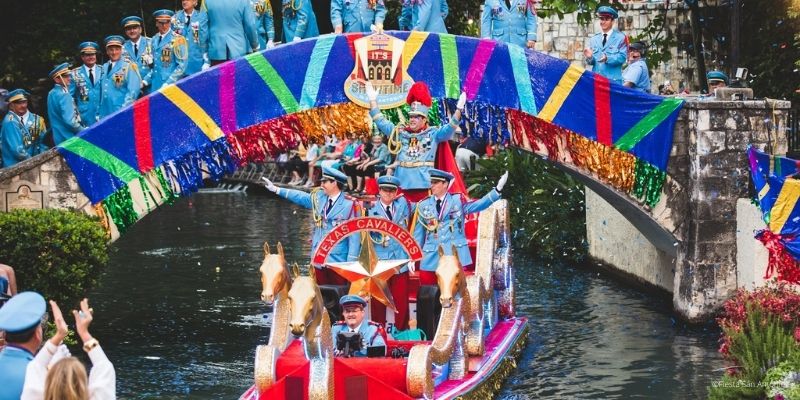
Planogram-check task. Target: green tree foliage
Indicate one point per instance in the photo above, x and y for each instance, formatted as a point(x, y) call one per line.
point(548, 217)
point(59, 254)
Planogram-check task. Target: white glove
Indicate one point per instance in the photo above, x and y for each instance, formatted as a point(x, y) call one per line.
point(297, 39)
point(376, 28)
point(502, 182)
point(462, 101)
point(205, 67)
point(269, 185)
point(372, 94)
point(270, 44)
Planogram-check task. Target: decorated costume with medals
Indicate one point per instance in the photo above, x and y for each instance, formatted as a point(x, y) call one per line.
point(64, 117)
point(357, 15)
point(196, 34)
point(171, 54)
point(445, 227)
point(140, 52)
point(298, 20)
point(417, 149)
point(86, 87)
point(265, 24)
point(121, 85)
point(21, 137)
point(515, 24)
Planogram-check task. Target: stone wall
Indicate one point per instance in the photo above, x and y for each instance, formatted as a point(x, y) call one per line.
point(566, 38)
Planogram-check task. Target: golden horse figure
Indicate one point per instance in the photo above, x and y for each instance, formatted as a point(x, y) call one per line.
point(275, 283)
point(309, 320)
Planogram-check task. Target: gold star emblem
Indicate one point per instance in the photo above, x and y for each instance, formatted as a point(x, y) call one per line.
point(368, 275)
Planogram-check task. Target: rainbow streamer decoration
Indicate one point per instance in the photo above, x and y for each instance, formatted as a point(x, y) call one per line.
point(209, 124)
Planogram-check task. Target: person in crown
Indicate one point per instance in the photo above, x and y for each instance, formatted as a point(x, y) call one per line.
point(87, 84)
point(121, 80)
point(608, 49)
point(192, 24)
point(393, 206)
point(353, 313)
point(418, 141)
point(138, 48)
point(64, 117)
point(439, 222)
point(171, 51)
point(329, 209)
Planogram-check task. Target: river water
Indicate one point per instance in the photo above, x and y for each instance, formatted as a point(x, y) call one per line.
point(178, 313)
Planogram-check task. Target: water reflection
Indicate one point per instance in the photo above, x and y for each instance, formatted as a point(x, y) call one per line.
point(179, 313)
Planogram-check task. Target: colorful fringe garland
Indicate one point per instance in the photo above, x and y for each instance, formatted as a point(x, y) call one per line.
point(780, 261)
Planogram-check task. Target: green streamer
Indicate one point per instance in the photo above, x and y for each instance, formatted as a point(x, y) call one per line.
point(119, 206)
point(649, 181)
point(167, 193)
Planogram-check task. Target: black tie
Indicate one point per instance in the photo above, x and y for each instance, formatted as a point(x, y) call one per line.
point(605, 36)
point(188, 20)
point(136, 50)
point(438, 206)
point(330, 205)
point(508, 4)
point(91, 75)
point(389, 212)
point(110, 66)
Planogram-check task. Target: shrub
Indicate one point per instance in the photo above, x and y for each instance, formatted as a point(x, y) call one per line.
point(57, 253)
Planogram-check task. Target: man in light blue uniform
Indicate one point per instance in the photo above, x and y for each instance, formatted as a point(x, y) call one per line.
point(409, 16)
point(428, 16)
point(355, 322)
point(716, 80)
point(265, 24)
point(608, 49)
point(22, 131)
point(357, 15)
point(64, 117)
point(439, 221)
point(138, 48)
point(329, 209)
point(192, 24)
point(21, 319)
point(170, 50)
point(636, 75)
point(509, 21)
point(299, 21)
point(232, 29)
point(121, 80)
point(419, 141)
point(87, 83)
point(396, 208)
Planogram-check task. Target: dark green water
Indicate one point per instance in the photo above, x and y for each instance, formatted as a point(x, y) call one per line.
point(178, 313)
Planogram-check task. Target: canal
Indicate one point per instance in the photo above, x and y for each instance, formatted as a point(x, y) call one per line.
point(178, 313)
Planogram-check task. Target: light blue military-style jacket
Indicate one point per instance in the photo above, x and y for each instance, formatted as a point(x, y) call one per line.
point(298, 20)
point(62, 113)
point(616, 51)
point(265, 24)
point(87, 94)
point(121, 86)
point(429, 15)
point(196, 35)
point(171, 53)
point(357, 15)
point(21, 137)
point(370, 335)
point(432, 229)
point(232, 28)
point(143, 58)
point(418, 150)
point(387, 248)
point(13, 364)
point(343, 210)
point(637, 74)
point(515, 25)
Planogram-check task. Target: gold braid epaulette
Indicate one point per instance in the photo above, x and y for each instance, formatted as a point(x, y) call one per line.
point(394, 144)
point(315, 207)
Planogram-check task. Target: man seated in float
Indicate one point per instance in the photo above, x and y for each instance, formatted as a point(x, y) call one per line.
point(355, 323)
point(395, 207)
point(329, 209)
point(418, 141)
point(439, 222)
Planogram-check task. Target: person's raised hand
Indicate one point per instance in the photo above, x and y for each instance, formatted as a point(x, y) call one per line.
point(83, 319)
point(269, 185)
point(62, 330)
point(462, 101)
point(372, 94)
point(502, 182)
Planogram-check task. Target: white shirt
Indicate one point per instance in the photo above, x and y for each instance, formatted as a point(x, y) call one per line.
point(102, 378)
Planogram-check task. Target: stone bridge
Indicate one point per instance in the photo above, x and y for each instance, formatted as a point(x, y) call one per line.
point(679, 236)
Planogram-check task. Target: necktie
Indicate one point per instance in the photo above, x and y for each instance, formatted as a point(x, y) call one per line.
point(110, 66)
point(330, 205)
point(605, 36)
point(188, 20)
point(389, 212)
point(135, 50)
point(91, 75)
point(508, 4)
point(438, 206)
